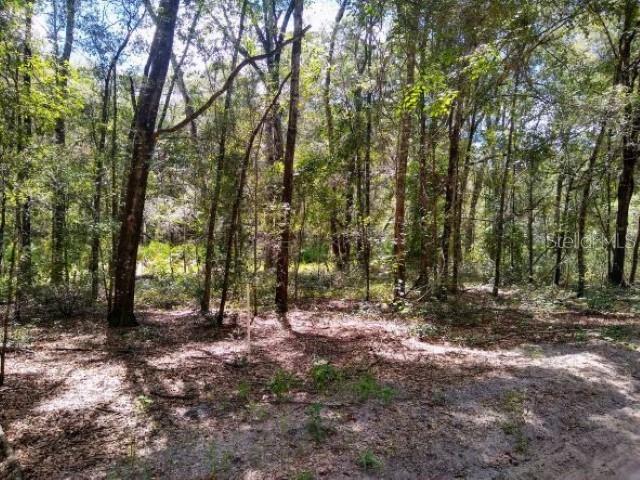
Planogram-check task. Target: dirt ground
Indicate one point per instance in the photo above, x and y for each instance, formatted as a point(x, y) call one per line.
point(511, 395)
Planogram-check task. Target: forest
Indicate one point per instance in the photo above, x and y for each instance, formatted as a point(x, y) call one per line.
point(305, 239)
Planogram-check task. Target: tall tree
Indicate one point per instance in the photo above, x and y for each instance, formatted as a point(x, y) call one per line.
point(408, 19)
point(282, 267)
point(626, 72)
point(226, 123)
point(144, 141)
point(59, 215)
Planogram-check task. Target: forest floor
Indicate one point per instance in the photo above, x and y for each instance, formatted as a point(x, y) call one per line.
point(342, 390)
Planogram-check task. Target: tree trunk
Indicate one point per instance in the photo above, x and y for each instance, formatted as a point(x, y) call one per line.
point(121, 314)
point(337, 235)
point(558, 224)
point(503, 191)
point(399, 290)
point(459, 204)
point(455, 125)
point(582, 211)
point(630, 134)
point(59, 216)
point(235, 211)
point(25, 273)
point(282, 267)
point(220, 160)
point(634, 260)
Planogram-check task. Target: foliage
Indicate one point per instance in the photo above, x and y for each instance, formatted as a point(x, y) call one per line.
point(366, 387)
point(369, 462)
point(324, 375)
point(282, 383)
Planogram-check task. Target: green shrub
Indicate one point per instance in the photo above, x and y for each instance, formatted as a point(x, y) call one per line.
point(323, 375)
point(282, 383)
point(315, 425)
point(369, 462)
point(367, 387)
point(601, 300)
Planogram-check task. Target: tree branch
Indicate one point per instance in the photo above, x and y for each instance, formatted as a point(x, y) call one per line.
point(228, 82)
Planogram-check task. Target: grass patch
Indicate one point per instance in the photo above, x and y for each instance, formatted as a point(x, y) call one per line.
point(369, 462)
point(513, 403)
point(617, 333)
point(324, 375)
point(315, 424)
point(303, 475)
point(366, 387)
point(282, 383)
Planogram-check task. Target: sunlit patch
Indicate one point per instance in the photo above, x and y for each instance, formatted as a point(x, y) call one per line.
point(86, 387)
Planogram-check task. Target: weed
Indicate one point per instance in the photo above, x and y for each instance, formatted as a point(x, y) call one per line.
point(438, 398)
point(20, 335)
point(304, 475)
point(601, 301)
point(142, 403)
point(315, 425)
point(369, 462)
point(367, 387)
point(220, 462)
point(580, 335)
point(282, 383)
point(533, 351)
point(257, 411)
point(617, 333)
point(514, 404)
point(426, 330)
point(244, 392)
point(323, 375)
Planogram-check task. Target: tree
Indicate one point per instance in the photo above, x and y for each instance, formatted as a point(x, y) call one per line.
point(144, 141)
point(282, 267)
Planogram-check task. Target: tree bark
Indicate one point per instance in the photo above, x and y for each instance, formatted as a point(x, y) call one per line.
point(503, 191)
point(455, 125)
point(634, 260)
point(121, 314)
point(282, 267)
point(630, 135)
point(25, 268)
point(235, 211)
point(582, 210)
point(409, 20)
point(220, 158)
point(59, 216)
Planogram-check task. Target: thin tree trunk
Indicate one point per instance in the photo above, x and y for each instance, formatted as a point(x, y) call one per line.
point(634, 260)
point(503, 191)
point(334, 224)
point(402, 157)
point(455, 125)
point(220, 160)
point(121, 314)
point(478, 183)
point(582, 210)
point(235, 211)
point(282, 267)
point(459, 204)
point(625, 78)
point(300, 245)
point(25, 273)
point(562, 235)
point(7, 313)
point(59, 217)
point(558, 224)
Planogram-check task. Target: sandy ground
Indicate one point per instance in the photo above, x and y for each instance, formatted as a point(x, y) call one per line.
point(529, 399)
